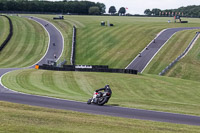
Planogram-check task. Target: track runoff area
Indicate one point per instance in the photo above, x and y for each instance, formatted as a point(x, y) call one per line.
point(16, 97)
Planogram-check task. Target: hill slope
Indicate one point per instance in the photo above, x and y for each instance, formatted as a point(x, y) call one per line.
point(135, 91)
point(27, 45)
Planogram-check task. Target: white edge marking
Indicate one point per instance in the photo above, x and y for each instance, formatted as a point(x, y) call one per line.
point(32, 94)
point(194, 42)
point(157, 52)
point(37, 61)
point(49, 38)
point(161, 48)
point(48, 43)
point(85, 102)
point(146, 46)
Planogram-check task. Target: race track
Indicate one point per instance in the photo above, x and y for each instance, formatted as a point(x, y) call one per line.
point(147, 54)
point(56, 37)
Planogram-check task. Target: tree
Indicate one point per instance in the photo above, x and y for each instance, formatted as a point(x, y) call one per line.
point(155, 11)
point(94, 10)
point(112, 10)
point(147, 12)
point(122, 11)
point(102, 7)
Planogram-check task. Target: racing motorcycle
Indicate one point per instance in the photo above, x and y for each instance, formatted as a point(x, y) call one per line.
point(99, 98)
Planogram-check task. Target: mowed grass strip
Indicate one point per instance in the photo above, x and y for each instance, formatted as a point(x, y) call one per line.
point(114, 46)
point(4, 29)
point(65, 28)
point(27, 46)
point(135, 91)
point(24, 118)
point(189, 66)
point(172, 49)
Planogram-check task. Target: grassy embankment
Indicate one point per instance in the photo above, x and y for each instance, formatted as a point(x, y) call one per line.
point(23, 118)
point(4, 29)
point(27, 45)
point(189, 66)
point(172, 49)
point(65, 28)
point(135, 91)
point(143, 91)
point(114, 46)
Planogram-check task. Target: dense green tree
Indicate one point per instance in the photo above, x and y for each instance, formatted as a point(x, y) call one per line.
point(102, 7)
point(112, 10)
point(147, 12)
point(122, 11)
point(155, 11)
point(94, 10)
point(189, 11)
point(40, 6)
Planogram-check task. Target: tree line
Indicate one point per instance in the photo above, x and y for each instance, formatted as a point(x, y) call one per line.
point(189, 11)
point(65, 6)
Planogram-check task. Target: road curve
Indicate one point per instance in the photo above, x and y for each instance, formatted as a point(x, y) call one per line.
point(16, 97)
point(144, 58)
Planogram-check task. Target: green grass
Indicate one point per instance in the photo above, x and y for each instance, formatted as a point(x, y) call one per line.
point(135, 91)
point(27, 46)
point(189, 66)
point(172, 49)
point(66, 29)
point(114, 46)
point(4, 29)
point(23, 118)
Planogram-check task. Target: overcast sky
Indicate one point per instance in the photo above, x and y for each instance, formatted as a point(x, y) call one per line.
point(138, 6)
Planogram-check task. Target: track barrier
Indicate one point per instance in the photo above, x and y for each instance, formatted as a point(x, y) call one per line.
point(73, 46)
point(180, 56)
point(87, 68)
point(9, 35)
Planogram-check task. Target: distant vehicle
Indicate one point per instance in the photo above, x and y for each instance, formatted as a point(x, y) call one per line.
point(59, 17)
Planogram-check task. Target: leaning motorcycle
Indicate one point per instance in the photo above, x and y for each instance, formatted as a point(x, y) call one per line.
point(99, 98)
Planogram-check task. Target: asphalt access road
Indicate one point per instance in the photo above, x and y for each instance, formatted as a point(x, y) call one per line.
point(15, 97)
point(145, 57)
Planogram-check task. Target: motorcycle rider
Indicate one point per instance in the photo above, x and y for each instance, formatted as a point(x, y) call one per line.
point(106, 89)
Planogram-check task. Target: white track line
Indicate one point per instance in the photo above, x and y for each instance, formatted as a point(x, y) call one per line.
point(145, 47)
point(36, 62)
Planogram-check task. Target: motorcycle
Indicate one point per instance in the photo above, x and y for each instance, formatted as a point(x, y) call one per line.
point(99, 98)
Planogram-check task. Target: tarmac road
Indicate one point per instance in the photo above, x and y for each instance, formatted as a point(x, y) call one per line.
point(145, 57)
point(16, 97)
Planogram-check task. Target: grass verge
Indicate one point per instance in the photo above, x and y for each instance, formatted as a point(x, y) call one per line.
point(27, 45)
point(134, 91)
point(23, 118)
point(114, 46)
point(172, 49)
point(4, 29)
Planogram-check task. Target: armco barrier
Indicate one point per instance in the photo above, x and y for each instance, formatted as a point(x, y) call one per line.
point(73, 46)
point(9, 35)
point(86, 68)
point(180, 56)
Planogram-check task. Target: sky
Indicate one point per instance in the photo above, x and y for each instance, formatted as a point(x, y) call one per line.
point(138, 6)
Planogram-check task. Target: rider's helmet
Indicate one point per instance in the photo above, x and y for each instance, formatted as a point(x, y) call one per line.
point(107, 86)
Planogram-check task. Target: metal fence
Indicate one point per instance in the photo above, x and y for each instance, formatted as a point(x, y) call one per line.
point(9, 35)
point(73, 46)
point(87, 68)
point(180, 56)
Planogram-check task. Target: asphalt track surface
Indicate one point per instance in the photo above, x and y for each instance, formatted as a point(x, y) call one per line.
point(147, 54)
point(16, 97)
